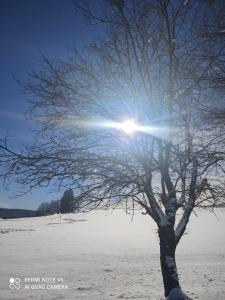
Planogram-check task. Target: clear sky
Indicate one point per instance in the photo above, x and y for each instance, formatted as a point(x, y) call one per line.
point(27, 28)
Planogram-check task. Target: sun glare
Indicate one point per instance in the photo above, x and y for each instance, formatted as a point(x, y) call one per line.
point(129, 126)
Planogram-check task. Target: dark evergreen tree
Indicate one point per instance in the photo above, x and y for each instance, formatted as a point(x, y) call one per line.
point(67, 202)
point(54, 207)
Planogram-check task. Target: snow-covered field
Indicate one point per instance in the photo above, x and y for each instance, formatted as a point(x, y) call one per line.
point(103, 256)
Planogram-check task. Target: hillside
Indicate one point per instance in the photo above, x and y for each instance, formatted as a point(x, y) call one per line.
point(105, 256)
point(14, 213)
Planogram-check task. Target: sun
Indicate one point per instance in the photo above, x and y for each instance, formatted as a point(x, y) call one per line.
point(129, 126)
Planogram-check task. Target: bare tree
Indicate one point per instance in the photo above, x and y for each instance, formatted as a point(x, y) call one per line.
point(154, 66)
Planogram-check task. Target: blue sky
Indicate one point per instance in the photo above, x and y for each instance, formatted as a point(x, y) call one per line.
point(27, 28)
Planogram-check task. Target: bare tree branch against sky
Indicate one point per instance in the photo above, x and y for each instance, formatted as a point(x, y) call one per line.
point(29, 28)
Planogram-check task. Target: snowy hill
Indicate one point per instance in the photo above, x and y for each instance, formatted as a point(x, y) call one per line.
point(103, 256)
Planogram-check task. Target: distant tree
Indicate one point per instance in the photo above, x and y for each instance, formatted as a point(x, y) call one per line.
point(46, 208)
point(54, 207)
point(67, 202)
point(157, 63)
point(43, 209)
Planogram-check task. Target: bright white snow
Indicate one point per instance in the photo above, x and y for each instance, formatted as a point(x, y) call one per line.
point(103, 256)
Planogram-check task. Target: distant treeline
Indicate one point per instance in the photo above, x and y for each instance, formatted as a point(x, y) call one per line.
point(67, 204)
point(13, 213)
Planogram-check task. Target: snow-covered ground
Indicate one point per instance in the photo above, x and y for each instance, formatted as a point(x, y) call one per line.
point(103, 256)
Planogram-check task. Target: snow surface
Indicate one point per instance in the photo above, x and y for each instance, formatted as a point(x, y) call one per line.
point(103, 256)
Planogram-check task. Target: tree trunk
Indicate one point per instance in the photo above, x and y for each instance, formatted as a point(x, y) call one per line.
point(167, 259)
